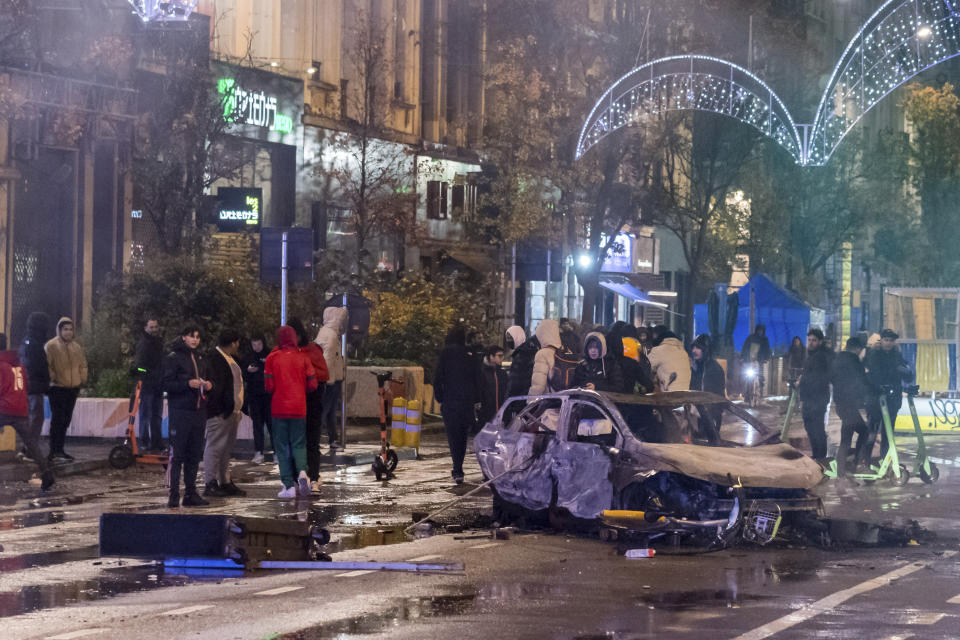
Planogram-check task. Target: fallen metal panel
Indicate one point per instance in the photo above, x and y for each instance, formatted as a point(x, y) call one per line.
point(369, 566)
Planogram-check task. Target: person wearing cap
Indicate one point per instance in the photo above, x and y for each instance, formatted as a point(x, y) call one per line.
point(850, 391)
point(886, 371)
point(814, 389)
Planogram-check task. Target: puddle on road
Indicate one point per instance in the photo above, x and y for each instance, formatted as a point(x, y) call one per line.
point(31, 520)
point(30, 560)
point(404, 610)
point(112, 582)
point(678, 600)
point(367, 537)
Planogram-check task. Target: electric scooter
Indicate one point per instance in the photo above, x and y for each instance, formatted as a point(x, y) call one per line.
point(785, 430)
point(889, 466)
point(922, 467)
point(386, 460)
point(126, 453)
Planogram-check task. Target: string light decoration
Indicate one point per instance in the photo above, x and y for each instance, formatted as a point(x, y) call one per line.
point(163, 10)
point(900, 40)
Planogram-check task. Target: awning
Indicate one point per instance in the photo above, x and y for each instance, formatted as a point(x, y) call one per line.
point(629, 291)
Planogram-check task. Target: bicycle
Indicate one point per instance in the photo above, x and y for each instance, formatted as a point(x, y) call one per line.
point(386, 461)
point(753, 387)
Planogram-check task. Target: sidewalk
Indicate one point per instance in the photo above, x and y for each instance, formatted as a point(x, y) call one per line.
point(363, 444)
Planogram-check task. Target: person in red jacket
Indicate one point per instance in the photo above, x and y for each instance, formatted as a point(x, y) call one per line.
point(314, 423)
point(13, 409)
point(289, 376)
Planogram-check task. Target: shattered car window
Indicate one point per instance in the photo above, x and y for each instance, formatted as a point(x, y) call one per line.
point(590, 424)
point(540, 416)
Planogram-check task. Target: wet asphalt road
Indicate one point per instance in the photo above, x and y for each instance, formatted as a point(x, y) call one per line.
point(533, 585)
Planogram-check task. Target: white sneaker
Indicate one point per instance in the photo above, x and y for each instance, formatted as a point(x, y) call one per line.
point(288, 492)
point(258, 457)
point(315, 485)
point(304, 484)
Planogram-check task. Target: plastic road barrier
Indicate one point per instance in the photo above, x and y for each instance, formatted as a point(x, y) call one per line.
point(412, 438)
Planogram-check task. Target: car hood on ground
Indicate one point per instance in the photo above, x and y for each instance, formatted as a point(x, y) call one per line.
point(777, 466)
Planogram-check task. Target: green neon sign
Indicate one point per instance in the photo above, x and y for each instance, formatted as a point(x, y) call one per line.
point(252, 107)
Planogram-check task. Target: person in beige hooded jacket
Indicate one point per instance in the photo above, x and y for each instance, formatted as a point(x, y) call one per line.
point(548, 334)
point(68, 372)
point(329, 339)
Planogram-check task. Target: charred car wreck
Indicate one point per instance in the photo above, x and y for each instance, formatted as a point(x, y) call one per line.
point(653, 463)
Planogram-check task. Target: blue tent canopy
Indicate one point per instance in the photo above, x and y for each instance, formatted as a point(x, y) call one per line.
point(784, 314)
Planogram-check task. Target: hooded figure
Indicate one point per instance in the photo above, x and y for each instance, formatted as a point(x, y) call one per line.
point(598, 370)
point(68, 372)
point(637, 376)
point(552, 366)
point(515, 337)
point(330, 338)
point(669, 361)
point(456, 386)
point(34, 358)
point(14, 410)
point(707, 375)
point(521, 361)
point(314, 424)
point(289, 376)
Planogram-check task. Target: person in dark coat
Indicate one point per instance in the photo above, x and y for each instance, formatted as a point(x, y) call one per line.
point(850, 391)
point(521, 361)
point(814, 390)
point(796, 356)
point(148, 368)
point(223, 416)
point(33, 357)
point(706, 374)
point(255, 394)
point(184, 380)
point(598, 370)
point(456, 386)
point(886, 371)
point(493, 385)
point(636, 373)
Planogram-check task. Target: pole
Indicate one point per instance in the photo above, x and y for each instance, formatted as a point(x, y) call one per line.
point(513, 284)
point(343, 384)
point(283, 279)
point(750, 46)
point(546, 290)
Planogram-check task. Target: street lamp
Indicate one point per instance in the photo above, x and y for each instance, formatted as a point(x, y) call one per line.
point(584, 260)
point(924, 32)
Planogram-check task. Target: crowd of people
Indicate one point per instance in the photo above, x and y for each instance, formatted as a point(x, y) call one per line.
point(290, 393)
point(471, 384)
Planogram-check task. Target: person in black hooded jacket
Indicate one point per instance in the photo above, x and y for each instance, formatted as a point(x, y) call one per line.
point(636, 374)
point(456, 386)
point(706, 374)
point(850, 392)
point(598, 370)
point(33, 357)
point(521, 367)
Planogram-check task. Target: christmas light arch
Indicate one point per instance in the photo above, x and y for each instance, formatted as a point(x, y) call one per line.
point(900, 40)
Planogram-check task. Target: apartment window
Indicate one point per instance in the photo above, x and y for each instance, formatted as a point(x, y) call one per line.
point(400, 37)
point(436, 200)
point(463, 200)
point(333, 227)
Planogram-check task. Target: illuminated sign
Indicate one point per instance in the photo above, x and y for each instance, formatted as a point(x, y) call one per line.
point(252, 107)
point(238, 208)
point(619, 258)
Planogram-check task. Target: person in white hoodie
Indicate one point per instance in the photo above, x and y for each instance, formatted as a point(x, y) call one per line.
point(553, 366)
point(669, 361)
point(329, 339)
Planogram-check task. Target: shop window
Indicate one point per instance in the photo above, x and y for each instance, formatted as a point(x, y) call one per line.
point(334, 228)
point(436, 200)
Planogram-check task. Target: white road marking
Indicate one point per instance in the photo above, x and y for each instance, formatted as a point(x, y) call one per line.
point(277, 591)
point(954, 600)
point(899, 637)
point(186, 610)
point(830, 602)
point(921, 618)
point(424, 558)
point(78, 634)
point(485, 546)
point(354, 574)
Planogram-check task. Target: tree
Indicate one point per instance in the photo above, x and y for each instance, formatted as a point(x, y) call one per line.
point(934, 152)
point(182, 142)
point(361, 169)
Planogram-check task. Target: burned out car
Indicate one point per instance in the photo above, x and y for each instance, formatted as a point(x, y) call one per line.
point(587, 453)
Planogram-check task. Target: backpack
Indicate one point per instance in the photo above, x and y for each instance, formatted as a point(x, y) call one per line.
point(564, 365)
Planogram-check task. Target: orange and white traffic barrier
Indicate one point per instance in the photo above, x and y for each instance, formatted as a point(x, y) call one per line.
point(398, 422)
point(412, 438)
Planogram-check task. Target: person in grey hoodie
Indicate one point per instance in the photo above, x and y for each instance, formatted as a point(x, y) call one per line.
point(329, 338)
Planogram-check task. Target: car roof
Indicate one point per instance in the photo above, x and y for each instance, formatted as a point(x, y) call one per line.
point(660, 399)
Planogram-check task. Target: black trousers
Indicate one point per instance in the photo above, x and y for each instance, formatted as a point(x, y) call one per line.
point(62, 402)
point(331, 400)
point(458, 419)
point(814, 414)
point(314, 425)
point(186, 432)
point(875, 420)
point(151, 417)
point(851, 421)
point(259, 408)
